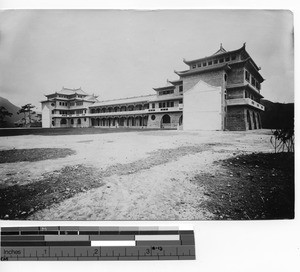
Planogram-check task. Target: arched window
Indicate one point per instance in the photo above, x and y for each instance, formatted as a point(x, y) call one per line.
point(79, 121)
point(166, 119)
point(180, 120)
point(63, 121)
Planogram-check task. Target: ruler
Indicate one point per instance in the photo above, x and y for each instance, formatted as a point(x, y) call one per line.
point(96, 243)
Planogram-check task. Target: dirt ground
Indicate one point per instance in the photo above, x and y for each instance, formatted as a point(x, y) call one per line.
point(147, 175)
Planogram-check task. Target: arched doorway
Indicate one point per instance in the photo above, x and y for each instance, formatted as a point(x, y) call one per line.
point(254, 120)
point(121, 123)
point(145, 121)
point(165, 121)
point(249, 120)
point(180, 120)
point(79, 122)
point(259, 121)
point(63, 121)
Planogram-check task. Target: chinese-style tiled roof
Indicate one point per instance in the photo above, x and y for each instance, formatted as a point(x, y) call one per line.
point(220, 52)
point(170, 87)
point(68, 91)
point(128, 100)
point(203, 69)
point(175, 82)
point(91, 98)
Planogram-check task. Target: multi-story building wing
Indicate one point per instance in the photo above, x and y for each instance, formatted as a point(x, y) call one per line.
point(223, 88)
point(218, 92)
point(125, 112)
point(67, 108)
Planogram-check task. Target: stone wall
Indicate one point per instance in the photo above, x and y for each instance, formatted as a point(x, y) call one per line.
point(235, 118)
point(157, 122)
point(236, 75)
point(242, 118)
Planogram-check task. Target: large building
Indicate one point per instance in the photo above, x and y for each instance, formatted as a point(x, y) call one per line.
point(219, 92)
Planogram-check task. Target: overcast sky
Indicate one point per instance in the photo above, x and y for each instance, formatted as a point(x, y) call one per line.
point(118, 54)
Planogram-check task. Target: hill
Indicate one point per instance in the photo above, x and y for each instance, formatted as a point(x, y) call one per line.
point(11, 108)
point(277, 115)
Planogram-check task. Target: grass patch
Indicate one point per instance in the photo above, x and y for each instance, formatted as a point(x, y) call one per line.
point(256, 186)
point(34, 154)
point(20, 201)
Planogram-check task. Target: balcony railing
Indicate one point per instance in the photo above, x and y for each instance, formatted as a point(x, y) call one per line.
point(155, 110)
point(244, 101)
point(69, 115)
point(119, 113)
point(169, 109)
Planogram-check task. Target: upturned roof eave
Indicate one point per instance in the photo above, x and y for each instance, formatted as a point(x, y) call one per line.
point(197, 71)
point(189, 62)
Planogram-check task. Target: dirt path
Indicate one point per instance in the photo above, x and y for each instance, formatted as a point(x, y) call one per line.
point(144, 176)
point(163, 192)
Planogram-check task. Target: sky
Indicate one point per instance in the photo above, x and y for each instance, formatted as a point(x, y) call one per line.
point(115, 54)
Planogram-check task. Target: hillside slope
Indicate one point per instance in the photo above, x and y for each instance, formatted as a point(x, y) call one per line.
point(277, 115)
point(11, 108)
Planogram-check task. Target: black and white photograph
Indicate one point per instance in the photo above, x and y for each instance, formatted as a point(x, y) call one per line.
point(169, 115)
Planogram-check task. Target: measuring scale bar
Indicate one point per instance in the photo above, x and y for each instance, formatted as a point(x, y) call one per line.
point(97, 243)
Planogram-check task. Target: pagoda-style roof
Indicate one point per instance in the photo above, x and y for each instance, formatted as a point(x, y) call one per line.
point(169, 87)
point(175, 82)
point(223, 53)
point(198, 70)
point(219, 53)
point(68, 91)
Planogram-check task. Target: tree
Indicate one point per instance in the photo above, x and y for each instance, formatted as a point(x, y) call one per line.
point(27, 112)
point(3, 113)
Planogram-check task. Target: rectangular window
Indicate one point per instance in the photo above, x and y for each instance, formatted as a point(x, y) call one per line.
point(227, 58)
point(257, 85)
point(221, 60)
point(204, 64)
point(172, 104)
point(199, 64)
point(215, 61)
point(233, 57)
point(194, 66)
point(180, 101)
point(247, 76)
point(153, 105)
point(210, 63)
point(252, 81)
point(180, 88)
